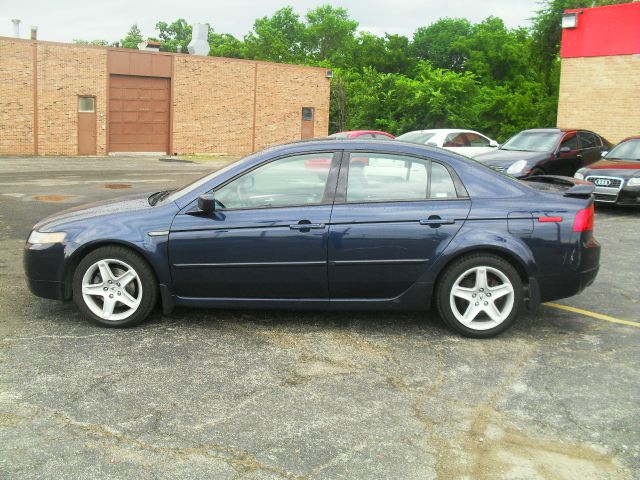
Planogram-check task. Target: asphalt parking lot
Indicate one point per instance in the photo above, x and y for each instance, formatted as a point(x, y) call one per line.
point(271, 395)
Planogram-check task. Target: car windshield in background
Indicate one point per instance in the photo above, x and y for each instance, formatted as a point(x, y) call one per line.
point(532, 142)
point(416, 137)
point(629, 150)
point(339, 135)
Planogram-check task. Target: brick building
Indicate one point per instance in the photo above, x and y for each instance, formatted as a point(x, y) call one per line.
point(600, 72)
point(63, 99)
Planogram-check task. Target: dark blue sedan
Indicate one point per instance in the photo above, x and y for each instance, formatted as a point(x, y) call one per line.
point(327, 224)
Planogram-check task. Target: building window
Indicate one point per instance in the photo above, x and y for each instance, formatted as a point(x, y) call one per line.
point(307, 114)
point(86, 104)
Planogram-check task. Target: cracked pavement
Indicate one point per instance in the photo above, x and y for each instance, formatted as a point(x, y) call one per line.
point(305, 395)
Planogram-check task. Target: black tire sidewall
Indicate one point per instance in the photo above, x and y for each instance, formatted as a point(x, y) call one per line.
point(142, 268)
point(456, 269)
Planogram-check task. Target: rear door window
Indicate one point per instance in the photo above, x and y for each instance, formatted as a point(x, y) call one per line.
point(379, 177)
point(589, 140)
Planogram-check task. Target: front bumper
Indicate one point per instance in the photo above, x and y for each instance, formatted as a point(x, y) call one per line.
point(44, 270)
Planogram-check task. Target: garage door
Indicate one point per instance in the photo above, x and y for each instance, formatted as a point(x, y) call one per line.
point(139, 114)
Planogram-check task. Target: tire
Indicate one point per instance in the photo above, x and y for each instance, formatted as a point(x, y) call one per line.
point(479, 305)
point(114, 287)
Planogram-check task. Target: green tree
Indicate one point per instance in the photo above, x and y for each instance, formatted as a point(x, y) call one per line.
point(442, 43)
point(133, 38)
point(226, 45)
point(278, 38)
point(173, 34)
point(330, 35)
point(99, 43)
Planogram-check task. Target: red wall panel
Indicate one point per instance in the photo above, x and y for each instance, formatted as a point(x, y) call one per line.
point(602, 31)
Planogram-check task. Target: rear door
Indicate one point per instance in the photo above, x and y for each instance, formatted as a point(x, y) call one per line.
point(393, 216)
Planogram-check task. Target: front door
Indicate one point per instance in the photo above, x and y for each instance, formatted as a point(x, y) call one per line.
point(393, 216)
point(87, 126)
point(266, 239)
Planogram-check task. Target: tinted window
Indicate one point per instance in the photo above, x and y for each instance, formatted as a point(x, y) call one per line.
point(288, 181)
point(416, 137)
point(457, 140)
point(441, 182)
point(375, 177)
point(629, 150)
point(532, 142)
point(589, 140)
point(571, 141)
point(477, 140)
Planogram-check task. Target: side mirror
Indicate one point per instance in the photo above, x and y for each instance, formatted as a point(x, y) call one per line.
point(563, 151)
point(494, 144)
point(207, 203)
point(604, 153)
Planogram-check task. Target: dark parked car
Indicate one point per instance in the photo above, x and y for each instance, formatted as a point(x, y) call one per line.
point(412, 227)
point(546, 151)
point(617, 175)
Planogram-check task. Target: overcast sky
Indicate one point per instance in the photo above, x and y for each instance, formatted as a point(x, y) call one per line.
point(65, 20)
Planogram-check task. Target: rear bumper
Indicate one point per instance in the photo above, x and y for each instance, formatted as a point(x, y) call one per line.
point(586, 264)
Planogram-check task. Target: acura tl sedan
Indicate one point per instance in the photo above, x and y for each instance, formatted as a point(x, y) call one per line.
point(410, 227)
point(546, 151)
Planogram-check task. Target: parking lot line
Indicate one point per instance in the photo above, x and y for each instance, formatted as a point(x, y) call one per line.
point(599, 316)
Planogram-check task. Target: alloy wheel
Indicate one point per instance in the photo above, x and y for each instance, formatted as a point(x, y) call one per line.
point(482, 298)
point(111, 289)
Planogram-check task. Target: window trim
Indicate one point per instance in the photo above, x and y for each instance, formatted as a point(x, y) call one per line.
point(93, 97)
point(329, 189)
point(340, 197)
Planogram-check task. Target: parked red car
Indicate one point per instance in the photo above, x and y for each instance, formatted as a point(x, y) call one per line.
point(322, 164)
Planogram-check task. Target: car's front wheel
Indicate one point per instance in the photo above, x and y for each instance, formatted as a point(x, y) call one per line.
point(479, 295)
point(114, 287)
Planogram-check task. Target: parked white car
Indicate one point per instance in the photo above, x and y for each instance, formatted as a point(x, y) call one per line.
point(465, 142)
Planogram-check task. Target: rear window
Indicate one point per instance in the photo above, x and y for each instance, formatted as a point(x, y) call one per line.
point(416, 137)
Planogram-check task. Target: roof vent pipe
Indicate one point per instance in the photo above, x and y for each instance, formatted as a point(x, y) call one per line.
point(34, 32)
point(16, 27)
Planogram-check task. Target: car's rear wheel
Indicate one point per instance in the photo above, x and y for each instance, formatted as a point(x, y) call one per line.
point(114, 287)
point(479, 295)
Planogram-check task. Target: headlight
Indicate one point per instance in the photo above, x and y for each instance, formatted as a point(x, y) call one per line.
point(517, 167)
point(579, 174)
point(634, 182)
point(46, 237)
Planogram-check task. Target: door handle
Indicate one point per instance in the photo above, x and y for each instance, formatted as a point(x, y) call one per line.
point(306, 226)
point(436, 220)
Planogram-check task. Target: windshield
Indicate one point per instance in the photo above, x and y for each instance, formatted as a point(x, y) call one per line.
point(629, 150)
point(415, 137)
point(201, 181)
point(532, 142)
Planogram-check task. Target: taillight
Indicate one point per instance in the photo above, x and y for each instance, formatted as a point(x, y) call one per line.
point(584, 220)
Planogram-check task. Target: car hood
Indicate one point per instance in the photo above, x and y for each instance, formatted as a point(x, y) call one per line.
point(127, 203)
point(504, 158)
point(615, 168)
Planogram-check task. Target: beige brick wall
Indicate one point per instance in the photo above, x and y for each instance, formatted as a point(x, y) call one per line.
point(212, 105)
point(64, 73)
point(282, 92)
point(16, 97)
point(601, 94)
point(214, 98)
